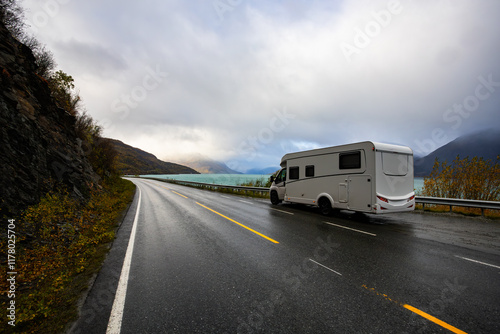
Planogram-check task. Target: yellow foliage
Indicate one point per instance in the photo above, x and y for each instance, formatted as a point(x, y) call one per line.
point(466, 178)
point(57, 240)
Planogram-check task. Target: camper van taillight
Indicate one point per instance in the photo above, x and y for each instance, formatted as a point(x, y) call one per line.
point(411, 198)
point(383, 199)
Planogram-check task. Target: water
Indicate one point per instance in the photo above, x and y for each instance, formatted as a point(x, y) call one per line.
point(238, 179)
point(224, 179)
point(418, 184)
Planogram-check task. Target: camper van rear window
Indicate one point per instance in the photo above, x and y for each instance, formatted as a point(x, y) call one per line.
point(350, 160)
point(395, 164)
point(294, 173)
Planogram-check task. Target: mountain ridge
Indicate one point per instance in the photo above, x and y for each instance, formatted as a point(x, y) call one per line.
point(206, 165)
point(134, 161)
point(485, 144)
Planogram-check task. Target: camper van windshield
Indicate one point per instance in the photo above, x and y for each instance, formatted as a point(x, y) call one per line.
point(395, 164)
point(281, 176)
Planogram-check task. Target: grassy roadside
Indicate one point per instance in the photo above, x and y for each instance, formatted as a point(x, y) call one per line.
point(60, 245)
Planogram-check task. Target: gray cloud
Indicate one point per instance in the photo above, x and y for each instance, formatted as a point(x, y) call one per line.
point(407, 66)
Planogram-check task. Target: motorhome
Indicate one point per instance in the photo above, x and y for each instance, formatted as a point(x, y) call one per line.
point(364, 177)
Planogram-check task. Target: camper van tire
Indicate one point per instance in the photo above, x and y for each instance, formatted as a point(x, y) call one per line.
point(274, 198)
point(324, 206)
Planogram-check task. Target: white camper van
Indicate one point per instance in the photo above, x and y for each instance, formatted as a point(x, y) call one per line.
point(365, 177)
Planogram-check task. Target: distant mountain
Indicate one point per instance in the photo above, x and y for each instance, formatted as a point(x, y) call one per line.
point(485, 144)
point(133, 161)
point(205, 165)
point(268, 170)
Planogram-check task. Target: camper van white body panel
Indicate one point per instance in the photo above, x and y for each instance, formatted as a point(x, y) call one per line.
point(366, 177)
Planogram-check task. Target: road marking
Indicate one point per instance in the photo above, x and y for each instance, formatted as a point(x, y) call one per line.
point(319, 264)
point(476, 261)
point(225, 197)
point(175, 192)
point(290, 213)
point(381, 294)
point(157, 185)
point(116, 317)
point(419, 312)
point(352, 229)
point(234, 221)
point(245, 201)
point(433, 319)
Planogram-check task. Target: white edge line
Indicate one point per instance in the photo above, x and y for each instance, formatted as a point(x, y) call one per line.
point(352, 229)
point(245, 201)
point(476, 261)
point(319, 264)
point(116, 317)
point(290, 213)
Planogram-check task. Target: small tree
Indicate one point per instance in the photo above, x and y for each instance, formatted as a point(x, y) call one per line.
point(466, 178)
point(44, 58)
point(12, 16)
point(63, 90)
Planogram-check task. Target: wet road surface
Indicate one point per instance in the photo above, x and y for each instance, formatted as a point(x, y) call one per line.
point(205, 262)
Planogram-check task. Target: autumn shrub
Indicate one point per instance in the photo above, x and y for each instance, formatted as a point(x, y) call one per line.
point(466, 178)
point(60, 244)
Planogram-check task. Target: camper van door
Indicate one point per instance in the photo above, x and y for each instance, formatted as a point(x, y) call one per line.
point(280, 182)
point(360, 192)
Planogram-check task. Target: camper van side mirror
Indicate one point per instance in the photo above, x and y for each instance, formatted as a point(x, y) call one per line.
point(271, 179)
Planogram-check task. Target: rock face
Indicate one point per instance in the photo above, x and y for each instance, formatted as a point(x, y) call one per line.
point(39, 148)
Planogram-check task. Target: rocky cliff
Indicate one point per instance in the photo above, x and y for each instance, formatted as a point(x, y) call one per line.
point(39, 148)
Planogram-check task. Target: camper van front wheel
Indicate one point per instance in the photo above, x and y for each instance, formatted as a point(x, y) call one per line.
point(274, 198)
point(325, 206)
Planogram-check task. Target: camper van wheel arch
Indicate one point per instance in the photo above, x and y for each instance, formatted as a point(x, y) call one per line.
point(274, 198)
point(325, 206)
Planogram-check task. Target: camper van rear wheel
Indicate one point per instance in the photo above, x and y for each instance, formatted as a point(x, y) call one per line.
point(325, 206)
point(274, 198)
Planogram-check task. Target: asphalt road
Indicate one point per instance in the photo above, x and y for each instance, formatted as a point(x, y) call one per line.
point(206, 262)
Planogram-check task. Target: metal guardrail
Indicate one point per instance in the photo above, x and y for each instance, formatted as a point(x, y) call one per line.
point(451, 202)
point(211, 185)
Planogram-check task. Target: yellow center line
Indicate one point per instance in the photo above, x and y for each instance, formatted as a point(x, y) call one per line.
point(175, 192)
point(234, 221)
point(433, 319)
point(420, 313)
point(157, 185)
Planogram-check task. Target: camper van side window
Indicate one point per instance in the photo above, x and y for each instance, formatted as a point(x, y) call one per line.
point(350, 160)
point(294, 173)
point(309, 171)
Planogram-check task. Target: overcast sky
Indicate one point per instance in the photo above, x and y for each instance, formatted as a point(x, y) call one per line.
point(246, 81)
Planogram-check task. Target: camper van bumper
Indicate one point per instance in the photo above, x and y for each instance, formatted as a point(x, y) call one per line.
point(386, 205)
